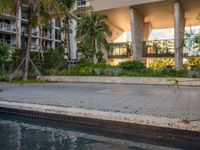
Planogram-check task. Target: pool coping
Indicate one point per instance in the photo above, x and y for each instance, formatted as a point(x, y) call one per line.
point(115, 122)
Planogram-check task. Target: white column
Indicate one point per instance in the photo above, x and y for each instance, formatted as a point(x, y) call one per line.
point(137, 32)
point(179, 29)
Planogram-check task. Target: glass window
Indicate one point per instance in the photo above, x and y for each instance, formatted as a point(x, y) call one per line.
point(81, 2)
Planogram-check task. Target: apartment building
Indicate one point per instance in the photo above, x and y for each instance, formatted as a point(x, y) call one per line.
point(132, 23)
point(47, 37)
point(140, 18)
point(43, 38)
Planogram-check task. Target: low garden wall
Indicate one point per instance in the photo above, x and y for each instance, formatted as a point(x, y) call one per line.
point(123, 80)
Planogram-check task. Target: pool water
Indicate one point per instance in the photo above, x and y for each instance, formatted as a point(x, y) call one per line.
point(18, 133)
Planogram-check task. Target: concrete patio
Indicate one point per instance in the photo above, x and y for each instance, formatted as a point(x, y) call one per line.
point(157, 101)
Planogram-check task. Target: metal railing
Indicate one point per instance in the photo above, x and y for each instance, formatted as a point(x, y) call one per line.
point(119, 50)
point(5, 26)
point(159, 48)
point(166, 48)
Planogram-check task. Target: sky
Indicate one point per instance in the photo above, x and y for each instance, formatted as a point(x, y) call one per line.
point(158, 34)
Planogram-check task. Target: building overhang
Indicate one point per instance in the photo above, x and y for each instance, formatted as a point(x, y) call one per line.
point(100, 5)
point(159, 14)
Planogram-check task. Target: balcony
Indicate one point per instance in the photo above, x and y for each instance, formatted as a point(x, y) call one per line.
point(119, 50)
point(24, 16)
point(34, 33)
point(166, 48)
point(159, 48)
point(46, 35)
point(5, 26)
point(81, 3)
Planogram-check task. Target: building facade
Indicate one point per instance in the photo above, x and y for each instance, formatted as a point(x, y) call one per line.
point(43, 38)
point(140, 18)
point(134, 18)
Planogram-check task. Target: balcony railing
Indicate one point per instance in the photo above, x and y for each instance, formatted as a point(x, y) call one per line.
point(119, 50)
point(159, 48)
point(24, 16)
point(166, 48)
point(81, 3)
point(5, 26)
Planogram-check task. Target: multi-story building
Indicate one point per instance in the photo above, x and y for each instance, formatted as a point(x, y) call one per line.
point(139, 18)
point(47, 37)
point(43, 38)
point(132, 23)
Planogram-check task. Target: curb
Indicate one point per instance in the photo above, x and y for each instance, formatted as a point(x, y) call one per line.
point(128, 125)
point(123, 80)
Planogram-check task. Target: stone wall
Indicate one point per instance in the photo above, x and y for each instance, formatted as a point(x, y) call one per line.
point(122, 80)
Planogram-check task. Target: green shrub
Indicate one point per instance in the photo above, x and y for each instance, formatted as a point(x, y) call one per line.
point(4, 52)
point(53, 62)
point(132, 65)
point(194, 73)
point(99, 56)
point(114, 71)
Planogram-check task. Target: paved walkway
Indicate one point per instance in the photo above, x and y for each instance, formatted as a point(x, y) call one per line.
point(161, 101)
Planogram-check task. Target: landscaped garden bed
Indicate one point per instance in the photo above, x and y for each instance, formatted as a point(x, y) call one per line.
point(127, 69)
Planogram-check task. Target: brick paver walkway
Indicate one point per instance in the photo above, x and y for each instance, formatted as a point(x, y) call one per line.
point(161, 101)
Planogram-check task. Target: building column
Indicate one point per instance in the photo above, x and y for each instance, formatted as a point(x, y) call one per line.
point(147, 31)
point(179, 29)
point(137, 33)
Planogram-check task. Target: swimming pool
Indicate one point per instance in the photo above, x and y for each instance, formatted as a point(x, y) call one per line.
point(19, 133)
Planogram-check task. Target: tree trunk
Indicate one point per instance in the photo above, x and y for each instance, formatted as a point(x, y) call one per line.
point(17, 26)
point(27, 56)
point(40, 53)
point(68, 42)
point(17, 21)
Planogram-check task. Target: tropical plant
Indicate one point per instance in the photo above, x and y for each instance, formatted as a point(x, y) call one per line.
point(191, 43)
point(4, 53)
point(99, 56)
point(162, 63)
point(92, 32)
point(35, 9)
point(133, 65)
point(53, 61)
point(194, 62)
point(67, 14)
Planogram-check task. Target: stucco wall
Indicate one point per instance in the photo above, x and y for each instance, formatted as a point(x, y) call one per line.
point(110, 4)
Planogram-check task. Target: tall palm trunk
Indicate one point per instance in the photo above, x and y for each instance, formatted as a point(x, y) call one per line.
point(17, 19)
point(68, 42)
point(17, 25)
point(65, 35)
point(27, 56)
point(40, 52)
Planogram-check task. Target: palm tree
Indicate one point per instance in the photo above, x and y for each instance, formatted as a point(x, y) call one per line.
point(67, 13)
point(12, 6)
point(41, 19)
point(93, 32)
point(35, 9)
